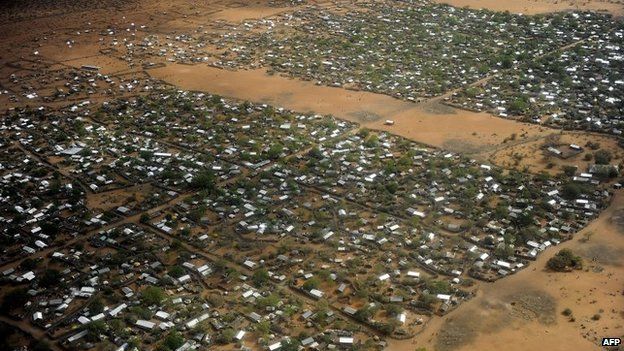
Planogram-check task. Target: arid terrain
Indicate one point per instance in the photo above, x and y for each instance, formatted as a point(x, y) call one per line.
point(43, 40)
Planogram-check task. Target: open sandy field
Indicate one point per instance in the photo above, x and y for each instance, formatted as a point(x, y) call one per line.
point(477, 134)
point(429, 123)
point(530, 154)
point(531, 7)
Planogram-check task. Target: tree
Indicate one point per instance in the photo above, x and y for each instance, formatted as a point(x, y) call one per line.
point(29, 264)
point(152, 295)
point(260, 277)
point(173, 340)
point(438, 286)
point(14, 299)
point(271, 300)
point(392, 187)
point(204, 180)
point(215, 300)
point(389, 327)
point(571, 191)
point(524, 219)
point(290, 345)
point(518, 106)
point(50, 277)
point(176, 271)
point(427, 299)
point(371, 141)
point(96, 307)
point(41, 345)
point(226, 336)
point(263, 327)
point(94, 330)
point(311, 283)
point(564, 260)
point(506, 62)
point(569, 170)
point(145, 217)
point(117, 326)
point(275, 151)
point(394, 309)
point(602, 157)
point(363, 133)
point(363, 314)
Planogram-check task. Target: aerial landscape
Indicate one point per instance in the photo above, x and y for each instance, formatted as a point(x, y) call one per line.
point(410, 175)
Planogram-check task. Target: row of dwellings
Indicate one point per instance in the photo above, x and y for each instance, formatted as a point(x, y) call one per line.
point(578, 88)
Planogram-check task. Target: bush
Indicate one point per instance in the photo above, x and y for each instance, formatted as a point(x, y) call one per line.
point(290, 345)
point(51, 277)
point(96, 307)
point(518, 106)
point(226, 336)
point(371, 141)
point(260, 277)
point(565, 260)
point(571, 191)
point(363, 314)
point(311, 283)
point(602, 157)
point(427, 299)
point(204, 181)
point(14, 299)
point(41, 345)
point(176, 271)
point(173, 340)
point(29, 264)
point(438, 286)
point(144, 218)
point(152, 295)
point(569, 170)
point(567, 312)
point(95, 329)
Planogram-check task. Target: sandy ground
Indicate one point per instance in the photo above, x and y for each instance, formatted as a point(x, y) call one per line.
point(523, 312)
point(428, 123)
point(111, 199)
point(480, 135)
point(248, 12)
point(531, 7)
point(530, 154)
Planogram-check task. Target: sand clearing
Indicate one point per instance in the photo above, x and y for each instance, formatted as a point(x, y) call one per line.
point(480, 135)
point(117, 197)
point(531, 155)
point(429, 123)
point(240, 14)
point(531, 7)
point(108, 65)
